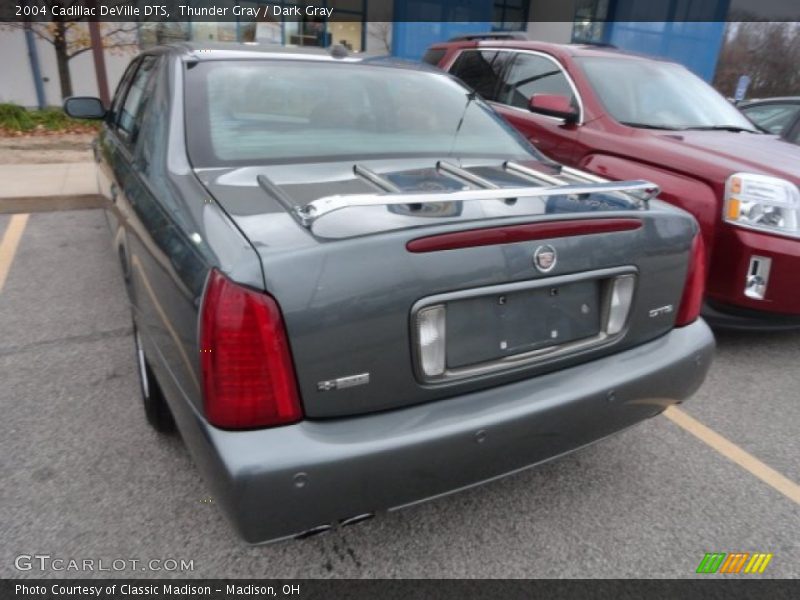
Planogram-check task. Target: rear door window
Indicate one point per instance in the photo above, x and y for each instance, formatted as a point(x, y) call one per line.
point(122, 88)
point(532, 74)
point(481, 70)
point(129, 119)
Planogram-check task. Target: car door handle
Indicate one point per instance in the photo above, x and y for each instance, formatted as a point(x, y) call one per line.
point(114, 192)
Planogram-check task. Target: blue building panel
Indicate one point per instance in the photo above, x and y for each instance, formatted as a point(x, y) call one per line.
point(693, 40)
point(695, 45)
point(420, 23)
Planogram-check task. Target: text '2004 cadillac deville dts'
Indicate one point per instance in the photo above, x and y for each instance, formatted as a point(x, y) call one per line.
point(354, 287)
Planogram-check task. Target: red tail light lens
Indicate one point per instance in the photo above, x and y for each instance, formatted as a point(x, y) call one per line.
point(693, 291)
point(248, 375)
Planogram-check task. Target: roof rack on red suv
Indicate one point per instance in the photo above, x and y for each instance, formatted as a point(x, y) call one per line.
point(495, 35)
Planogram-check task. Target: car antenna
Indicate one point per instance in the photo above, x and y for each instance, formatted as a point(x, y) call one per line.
point(471, 95)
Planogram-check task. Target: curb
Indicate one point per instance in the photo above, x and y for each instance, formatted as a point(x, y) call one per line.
point(31, 204)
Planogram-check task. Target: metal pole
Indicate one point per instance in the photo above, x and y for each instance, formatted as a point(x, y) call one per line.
point(33, 55)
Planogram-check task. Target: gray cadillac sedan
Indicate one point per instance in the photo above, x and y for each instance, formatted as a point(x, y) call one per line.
point(355, 287)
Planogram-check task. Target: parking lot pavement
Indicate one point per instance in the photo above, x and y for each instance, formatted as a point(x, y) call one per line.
point(84, 477)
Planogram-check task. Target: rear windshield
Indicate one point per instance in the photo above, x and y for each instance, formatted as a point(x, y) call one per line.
point(268, 111)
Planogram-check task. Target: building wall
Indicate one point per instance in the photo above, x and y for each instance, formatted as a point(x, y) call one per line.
point(15, 70)
point(695, 45)
point(444, 19)
point(379, 37)
point(557, 32)
point(541, 24)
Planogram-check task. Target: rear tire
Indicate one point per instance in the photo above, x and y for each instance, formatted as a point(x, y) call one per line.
point(155, 405)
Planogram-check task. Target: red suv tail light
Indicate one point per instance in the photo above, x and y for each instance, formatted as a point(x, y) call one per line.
point(693, 291)
point(248, 375)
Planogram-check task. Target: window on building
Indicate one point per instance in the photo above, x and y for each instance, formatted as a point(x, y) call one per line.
point(510, 15)
point(590, 21)
point(157, 33)
point(531, 74)
point(348, 30)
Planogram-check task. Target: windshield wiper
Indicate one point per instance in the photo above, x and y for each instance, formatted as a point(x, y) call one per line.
point(734, 128)
point(648, 126)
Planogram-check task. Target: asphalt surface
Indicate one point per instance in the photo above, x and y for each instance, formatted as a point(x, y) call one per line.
point(83, 476)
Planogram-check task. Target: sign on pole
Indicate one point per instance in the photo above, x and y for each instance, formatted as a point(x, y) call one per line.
point(741, 88)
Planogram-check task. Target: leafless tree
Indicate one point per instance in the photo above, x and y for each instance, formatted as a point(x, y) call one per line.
point(768, 52)
point(69, 37)
point(381, 31)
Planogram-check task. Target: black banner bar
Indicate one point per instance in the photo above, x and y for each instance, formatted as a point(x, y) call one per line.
point(244, 11)
point(428, 589)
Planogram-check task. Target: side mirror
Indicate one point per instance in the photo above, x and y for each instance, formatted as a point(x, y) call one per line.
point(553, 105)
point(84, 107)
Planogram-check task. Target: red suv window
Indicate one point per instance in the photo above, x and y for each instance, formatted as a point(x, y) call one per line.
point(481, 70)
point(531, 74)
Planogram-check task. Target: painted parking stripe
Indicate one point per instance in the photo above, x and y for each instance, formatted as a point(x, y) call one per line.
point(9, 244)
point(732, 452)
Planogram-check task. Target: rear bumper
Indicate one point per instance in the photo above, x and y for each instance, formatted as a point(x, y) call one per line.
point(274, 483)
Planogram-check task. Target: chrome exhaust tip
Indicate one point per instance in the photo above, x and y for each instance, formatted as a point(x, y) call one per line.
point(314, 531)
point(356, 519)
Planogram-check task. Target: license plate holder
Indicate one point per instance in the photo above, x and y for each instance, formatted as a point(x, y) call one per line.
point(495, 326)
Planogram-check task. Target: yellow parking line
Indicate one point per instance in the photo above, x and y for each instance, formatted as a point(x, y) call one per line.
point(732, 452)
point(9, 244)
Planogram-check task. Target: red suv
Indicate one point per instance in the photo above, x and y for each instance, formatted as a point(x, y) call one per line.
point(624, 116)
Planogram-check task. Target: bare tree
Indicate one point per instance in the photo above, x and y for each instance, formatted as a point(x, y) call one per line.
point(768, 52)
point(381, 31)
point(69, 37)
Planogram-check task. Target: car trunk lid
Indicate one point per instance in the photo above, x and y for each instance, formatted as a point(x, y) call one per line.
point(526, 286)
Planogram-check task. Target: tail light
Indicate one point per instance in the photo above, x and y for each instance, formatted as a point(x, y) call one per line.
point(248, 375)
point(693, 291)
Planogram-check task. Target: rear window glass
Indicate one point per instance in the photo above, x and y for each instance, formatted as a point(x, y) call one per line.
point(240, 112)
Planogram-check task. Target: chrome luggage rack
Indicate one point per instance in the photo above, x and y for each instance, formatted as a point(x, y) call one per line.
point(583, 184)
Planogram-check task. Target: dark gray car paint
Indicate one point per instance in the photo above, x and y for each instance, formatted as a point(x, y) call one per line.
point(346, 299)
point(349, 311)
point(278, 482)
